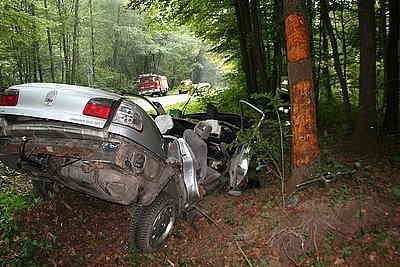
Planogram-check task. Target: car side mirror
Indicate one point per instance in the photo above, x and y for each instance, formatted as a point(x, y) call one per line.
point(164, 123)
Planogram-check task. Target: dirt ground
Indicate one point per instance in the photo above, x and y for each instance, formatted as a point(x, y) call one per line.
point(354, 221)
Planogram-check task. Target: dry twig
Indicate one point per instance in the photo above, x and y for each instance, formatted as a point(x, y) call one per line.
point(170, 263)
point(202, 212)
point(244, 254)
point(287, 255)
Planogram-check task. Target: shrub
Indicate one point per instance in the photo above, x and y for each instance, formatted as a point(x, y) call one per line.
point(17, 247)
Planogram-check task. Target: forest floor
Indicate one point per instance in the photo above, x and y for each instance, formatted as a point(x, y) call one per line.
point(354, 221)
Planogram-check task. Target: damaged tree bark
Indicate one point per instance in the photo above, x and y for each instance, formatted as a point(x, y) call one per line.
point(305, 149)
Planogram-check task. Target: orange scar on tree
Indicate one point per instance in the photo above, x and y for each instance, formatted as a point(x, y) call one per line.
point(298, 44)
point(304, 138)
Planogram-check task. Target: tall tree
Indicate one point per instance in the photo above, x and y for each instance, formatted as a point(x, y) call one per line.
point(305, 148)
point(253, 55)
point(326, 76)
point(278, 33)
point(50, 46)
point(391, 122)
point(93, 57)
point(64, 41)
point(366, 122)
point(326, 20)
point(75, 43)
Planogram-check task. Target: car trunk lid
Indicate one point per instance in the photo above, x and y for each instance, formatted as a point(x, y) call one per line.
point(58, 102)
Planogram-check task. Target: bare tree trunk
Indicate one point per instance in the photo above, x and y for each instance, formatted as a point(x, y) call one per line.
point(243, 21)
point(62, 59)
point(317, 75)
point(75, 43)
point(93, 59)
point(325, 69)
point(38, 61)
point(392, 69)
point(50, 45)
point(251, 45)
point(366, 126)
point(20, 68)
point(338, 68)
point(344, 39)
point(381, 20)
point(258, 47)
point(277, 66)
point(116, 40)
point(305, 148)
point(65, 48)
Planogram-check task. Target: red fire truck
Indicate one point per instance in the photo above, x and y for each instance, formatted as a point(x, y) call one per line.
point(151, 84)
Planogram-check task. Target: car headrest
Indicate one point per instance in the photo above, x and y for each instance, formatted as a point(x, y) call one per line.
point(203, 129)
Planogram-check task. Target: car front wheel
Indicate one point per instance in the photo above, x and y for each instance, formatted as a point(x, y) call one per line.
point(151, 225)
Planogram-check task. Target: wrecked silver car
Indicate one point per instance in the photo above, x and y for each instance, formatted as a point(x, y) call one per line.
point(102, 144)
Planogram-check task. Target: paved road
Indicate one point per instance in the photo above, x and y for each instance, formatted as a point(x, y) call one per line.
point(164, 100)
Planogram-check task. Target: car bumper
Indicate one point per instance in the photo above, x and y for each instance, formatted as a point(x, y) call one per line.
point(90, 161)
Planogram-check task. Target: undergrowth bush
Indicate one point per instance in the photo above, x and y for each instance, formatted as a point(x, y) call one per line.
point(17, 248)
point(331, 115)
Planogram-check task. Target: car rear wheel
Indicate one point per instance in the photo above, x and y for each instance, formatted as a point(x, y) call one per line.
point(151, 225)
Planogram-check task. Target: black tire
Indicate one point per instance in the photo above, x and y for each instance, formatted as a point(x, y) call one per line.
point(152, 224)
point(43, 189)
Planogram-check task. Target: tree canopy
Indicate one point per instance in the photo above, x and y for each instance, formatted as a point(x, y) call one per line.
point(45, 39)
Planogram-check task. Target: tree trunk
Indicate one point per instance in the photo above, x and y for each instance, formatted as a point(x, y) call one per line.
point(116, 40)
point(75, 43)
point(277, 60)
point(62, 62)
point(258, 47)
point(325, 69)
point(38, 61)
point(251, 45)
point(243, 20)
point(365, 134)
point(344, 39)
point(66, 66)
point(391, 122)
point(50, 45)
point(381, 20)
point(338, 68)
point(305, 148)
point(19, 62)
point(92, 40)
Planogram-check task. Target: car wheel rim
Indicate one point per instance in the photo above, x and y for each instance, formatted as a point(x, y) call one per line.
point(162, 225)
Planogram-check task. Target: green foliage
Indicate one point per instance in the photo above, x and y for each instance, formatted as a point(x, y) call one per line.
point(17, 248)
point(347, 252)
point(11, 203)
point(331, 115)
point(127, 43)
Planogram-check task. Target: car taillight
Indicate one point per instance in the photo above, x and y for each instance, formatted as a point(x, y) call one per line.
point(99, 108)
point(9, 98)
point(128, 115)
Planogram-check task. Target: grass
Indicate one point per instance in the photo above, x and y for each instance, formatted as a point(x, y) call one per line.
point(194, 106)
